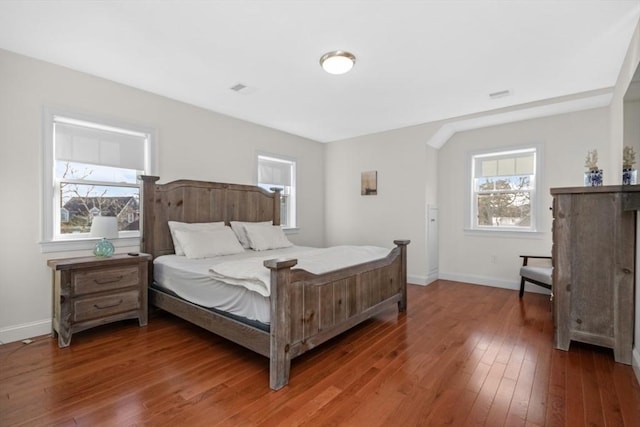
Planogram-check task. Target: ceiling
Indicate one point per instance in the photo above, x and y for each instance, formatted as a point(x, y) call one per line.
point(417, 61)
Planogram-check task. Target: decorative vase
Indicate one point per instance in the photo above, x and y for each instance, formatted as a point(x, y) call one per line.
point(103, 249)
point(593, 178)
point(629, 176)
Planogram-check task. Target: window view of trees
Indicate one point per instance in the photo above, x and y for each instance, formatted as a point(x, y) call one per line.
point(85, 192)
point(504, 201)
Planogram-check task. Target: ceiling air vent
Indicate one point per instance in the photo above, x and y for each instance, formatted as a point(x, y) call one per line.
point(500, 94)
point(242, 89)
point(238, 87)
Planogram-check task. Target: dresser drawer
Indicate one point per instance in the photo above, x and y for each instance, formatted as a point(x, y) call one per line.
point(106, 305)
point(105, 279)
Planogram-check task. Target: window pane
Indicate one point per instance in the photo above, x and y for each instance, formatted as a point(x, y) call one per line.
point(503, 164)
point(85, 171)
point(284, 200)
point(81, 202)
point(509, 209)
point(508, 183)
point(503, 190)
point(91, 143)
point(274, 172)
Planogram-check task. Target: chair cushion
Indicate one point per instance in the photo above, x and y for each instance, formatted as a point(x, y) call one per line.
point(541, 274)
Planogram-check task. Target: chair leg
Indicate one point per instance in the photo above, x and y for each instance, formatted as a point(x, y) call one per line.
point(521, 287)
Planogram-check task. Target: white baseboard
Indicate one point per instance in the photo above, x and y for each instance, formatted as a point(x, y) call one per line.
point(422, 280)
point(432, 276)
point(635, 361)
point(493, 282)
point(416, 280)
point(24, 331)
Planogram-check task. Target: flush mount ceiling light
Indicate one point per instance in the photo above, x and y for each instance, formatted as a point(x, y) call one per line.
point(337, 62)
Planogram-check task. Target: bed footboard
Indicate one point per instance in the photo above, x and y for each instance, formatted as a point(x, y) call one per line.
point(320, 307)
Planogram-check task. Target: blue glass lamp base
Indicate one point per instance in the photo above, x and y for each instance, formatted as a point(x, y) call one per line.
point(103, 249)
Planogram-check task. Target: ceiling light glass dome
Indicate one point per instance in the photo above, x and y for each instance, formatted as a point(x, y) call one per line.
point(337, 62)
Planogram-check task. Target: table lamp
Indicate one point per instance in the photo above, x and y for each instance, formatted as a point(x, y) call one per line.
point(105, 227)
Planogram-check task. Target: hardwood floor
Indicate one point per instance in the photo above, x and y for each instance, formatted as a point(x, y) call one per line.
point(461, 355)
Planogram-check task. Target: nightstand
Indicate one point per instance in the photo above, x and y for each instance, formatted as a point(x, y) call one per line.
point(90, 291)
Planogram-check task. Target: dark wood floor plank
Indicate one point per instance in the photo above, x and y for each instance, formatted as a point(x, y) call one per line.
point(461, 355)
point(517, 413)
point(574, 398)
point(591, 394)
point(611, 407)
point(536, 413)
point(556, 410)
point(628, 392)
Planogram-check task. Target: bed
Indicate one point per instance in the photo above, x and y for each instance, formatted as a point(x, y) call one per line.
point(306, 309)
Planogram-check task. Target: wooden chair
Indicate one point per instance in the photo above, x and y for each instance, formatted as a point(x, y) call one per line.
point(538, 274)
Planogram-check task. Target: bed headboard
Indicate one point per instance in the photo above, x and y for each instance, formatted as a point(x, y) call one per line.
point(199, 201)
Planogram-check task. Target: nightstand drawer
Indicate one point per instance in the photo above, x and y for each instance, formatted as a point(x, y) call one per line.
point(100, 279)
point(95, 307)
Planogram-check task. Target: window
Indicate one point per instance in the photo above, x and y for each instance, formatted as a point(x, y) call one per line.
point(91, 169)
point(503, 190)
point(277, 172)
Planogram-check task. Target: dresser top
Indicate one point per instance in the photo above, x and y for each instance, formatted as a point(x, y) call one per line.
point(600, 189)
point(93, 261)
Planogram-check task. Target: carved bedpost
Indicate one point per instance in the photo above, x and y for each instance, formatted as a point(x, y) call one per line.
point(148, 207)
point(280, 357)
point(146, 232)
point(402, 244)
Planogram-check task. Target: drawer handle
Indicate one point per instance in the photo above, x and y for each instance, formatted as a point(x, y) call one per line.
point(104, 282)
point(102, 307)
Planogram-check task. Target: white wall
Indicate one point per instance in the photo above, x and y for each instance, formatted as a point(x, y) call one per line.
point(192, 143)
point(494, 258)
point(406, 185)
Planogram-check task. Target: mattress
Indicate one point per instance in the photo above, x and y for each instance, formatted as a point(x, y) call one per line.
point(190, 280)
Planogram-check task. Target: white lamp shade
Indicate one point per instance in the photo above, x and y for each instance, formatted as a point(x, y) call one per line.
point(104, 226)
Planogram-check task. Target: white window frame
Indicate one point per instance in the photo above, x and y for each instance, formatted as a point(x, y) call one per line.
point(535, 199)
point(292, 202)
point(51, 240)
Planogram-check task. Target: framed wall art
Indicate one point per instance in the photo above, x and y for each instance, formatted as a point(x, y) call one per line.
point(369, 183)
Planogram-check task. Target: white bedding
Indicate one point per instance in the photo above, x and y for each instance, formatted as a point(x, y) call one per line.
point(251, 273)
point(192, 279)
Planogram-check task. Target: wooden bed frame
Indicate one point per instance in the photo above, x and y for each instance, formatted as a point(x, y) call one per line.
point(306, 309)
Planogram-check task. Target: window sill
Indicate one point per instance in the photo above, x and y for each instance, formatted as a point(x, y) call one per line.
point(84, 244)
point(520, 234)
point(291, 230)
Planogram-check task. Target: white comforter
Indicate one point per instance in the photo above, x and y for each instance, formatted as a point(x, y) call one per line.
point(253, 275)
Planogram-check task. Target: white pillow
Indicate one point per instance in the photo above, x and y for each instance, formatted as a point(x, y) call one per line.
point(209, 243)
point(241, 233)
point(201, 226)
point(262, 238)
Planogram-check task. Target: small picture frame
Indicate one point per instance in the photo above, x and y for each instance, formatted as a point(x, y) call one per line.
point(369, 183)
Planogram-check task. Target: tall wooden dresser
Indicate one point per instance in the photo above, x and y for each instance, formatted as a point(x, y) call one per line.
point(594, 231)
